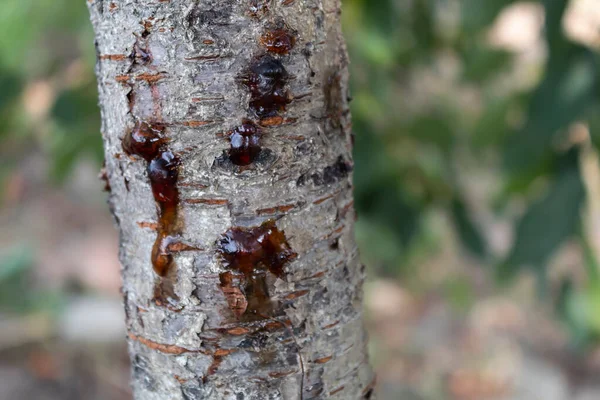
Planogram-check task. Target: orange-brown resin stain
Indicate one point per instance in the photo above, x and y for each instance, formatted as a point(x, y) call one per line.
point(295, 295)
point(238, 331)
point(163, 172)
point(276, 209)
point(144, 140)
point(147, 141)
point(235, 298)
point(160, 347)
point(209, 202)
point(249, 249)
point(278, 41)
point(335, 391)
point(281, 374)
point(113, 57)
point(323, 360)
point(249, 253)
point(331, 325)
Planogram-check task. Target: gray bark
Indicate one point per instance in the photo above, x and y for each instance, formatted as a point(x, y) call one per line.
point(260, 332)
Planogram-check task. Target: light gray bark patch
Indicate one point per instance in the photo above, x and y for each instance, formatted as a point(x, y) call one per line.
point(179, 63)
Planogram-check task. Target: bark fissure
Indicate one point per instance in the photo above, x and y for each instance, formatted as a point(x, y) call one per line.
point(241, 274)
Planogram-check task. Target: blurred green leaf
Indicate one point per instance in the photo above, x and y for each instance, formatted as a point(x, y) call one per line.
point(77, 129)
point(593, 119)
point(383, 201)
point(12, 85)
point(555, 10)
point(423, 25)
point(15, 261)
point(69, 143)
point(572, 308)
point(591, 262)
point(14, 278)
point(467, 230)
point(432, 128)
point(478, 15)
point(481, 64)
point(492, 127)
point(550, 221)
point(560, 100)
point(24, 32)
point(460, 293)
point(19, 293)
point(72, 107)
point(382, 17)
point(380, 199)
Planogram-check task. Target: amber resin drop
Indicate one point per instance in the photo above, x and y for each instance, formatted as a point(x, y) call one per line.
point(144, 140)
point(258, 248)
point(163, 173)
point(245, 143)
point(249, 253)
point(162, 259)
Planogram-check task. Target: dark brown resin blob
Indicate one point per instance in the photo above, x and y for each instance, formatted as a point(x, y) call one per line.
point(266, 79)
point(258, 248)
point(245, 143)
point(249, 253)
point(278, 41)
point(163, 172)
point(144, 140)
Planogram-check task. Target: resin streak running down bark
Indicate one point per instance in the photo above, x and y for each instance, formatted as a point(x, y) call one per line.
point(228, 153)
point(147, 141)
point(163, 173)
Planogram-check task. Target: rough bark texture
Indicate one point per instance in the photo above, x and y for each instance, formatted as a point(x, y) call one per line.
point(228, 156)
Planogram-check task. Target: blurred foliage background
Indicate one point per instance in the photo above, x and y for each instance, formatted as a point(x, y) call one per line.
point(483, 111)
point(477, 128)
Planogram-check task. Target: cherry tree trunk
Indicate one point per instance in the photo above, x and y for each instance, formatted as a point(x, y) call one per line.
point(228, 149)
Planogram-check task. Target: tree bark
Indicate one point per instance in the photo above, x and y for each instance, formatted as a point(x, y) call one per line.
point(228, 157)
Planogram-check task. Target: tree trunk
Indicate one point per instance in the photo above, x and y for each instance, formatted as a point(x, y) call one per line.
point(228, 157)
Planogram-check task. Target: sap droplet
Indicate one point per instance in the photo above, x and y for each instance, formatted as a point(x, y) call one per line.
point(144, 140)
point(266, 80)
point(163, 172)
point(249, 249)
point(245, 143)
